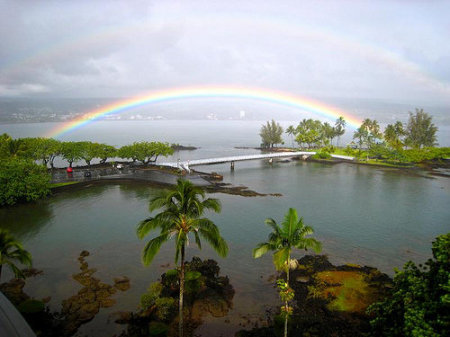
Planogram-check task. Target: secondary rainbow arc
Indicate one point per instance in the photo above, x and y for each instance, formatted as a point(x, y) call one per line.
point(257, 94)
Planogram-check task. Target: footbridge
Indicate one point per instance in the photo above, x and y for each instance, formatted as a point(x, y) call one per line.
point(185, 165)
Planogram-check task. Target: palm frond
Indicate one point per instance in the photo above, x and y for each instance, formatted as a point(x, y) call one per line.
point(212, 204)
point(215, 241)
point(281, 258)
point(17, 272)
point(290, 222)
point(261, 249)
point(160, 200)
point(197, 240)
point(273, 224)
point(146, 226)
point(152, 248)
point(306, 230)
point(310, 243)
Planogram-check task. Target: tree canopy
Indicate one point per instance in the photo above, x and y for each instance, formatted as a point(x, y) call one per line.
point(271, 133)
point(22, 180)
point(419, 303)
point(420, 131)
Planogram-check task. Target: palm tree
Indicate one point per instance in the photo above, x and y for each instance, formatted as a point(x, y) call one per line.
point(291, 234)
point(340, 127)
point(291, 131)
point(11, 250)
point(182, 208)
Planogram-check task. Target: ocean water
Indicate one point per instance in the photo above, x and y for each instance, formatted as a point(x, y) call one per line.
point(363, 215)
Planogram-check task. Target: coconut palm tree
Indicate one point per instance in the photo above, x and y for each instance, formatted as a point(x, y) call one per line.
point(291, 131)
point(12, 250)
point(181, 215)
point(340, 127)
point(283, 239)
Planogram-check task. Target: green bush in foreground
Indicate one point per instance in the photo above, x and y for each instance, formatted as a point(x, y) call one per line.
point(22, 180)
point(419, 304)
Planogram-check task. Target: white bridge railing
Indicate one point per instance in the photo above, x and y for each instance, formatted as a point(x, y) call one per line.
point(209, 161)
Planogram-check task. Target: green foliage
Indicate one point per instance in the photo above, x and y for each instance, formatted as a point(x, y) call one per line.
point(367, 134)
point(146, 152)
point(12, 250)
point(420, 131)
point(149, 298)
point(31, 306)
point(339, 127)
point(419, 304)
point(88, 151)
point(164, 307)
point(310, 132)
point(105, 151)
point(181, 215)
point(158, 329)
point(394, 135)
point(291, 234)
point(271, 133)
point(322, 154)
point(182, 208)
point(194, 282)
point(22, 180)
point(426, 154)
point(286, 293)
point(71, 151)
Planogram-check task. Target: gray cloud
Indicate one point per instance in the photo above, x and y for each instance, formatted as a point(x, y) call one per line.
point(395, 50)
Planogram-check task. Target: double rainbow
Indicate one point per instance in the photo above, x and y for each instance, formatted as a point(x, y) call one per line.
point(257, 94)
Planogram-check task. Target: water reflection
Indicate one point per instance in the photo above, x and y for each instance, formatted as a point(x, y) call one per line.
point(26, 221)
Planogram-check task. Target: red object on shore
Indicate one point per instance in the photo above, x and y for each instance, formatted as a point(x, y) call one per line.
point(69, 170)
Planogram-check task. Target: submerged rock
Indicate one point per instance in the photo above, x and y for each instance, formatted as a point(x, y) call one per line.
point(94, 295)
point(122, 284)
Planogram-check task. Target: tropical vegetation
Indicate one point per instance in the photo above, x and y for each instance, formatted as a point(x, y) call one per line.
point(22, 179)
point(12, 251)
point(419, 301)
point(271, 134)
point(292, 233)
point(181, 216)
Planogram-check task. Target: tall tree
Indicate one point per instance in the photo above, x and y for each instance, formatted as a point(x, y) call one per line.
point(283, 239)
point(373, 131)
point(291, 132)
point(393, 135)
point(339, 127)
point(310, 132)
point(420, 130)
point(11, 251)
point(271, 133)
point(105, 151)
point(328, 132)
point(71, 151)
point(181, 215)
point(361, 134)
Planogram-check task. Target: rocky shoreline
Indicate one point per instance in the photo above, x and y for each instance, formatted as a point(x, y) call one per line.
point(329, 300)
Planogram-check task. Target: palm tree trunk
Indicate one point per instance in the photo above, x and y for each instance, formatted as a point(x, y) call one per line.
point(180, 306)
point(286, 303)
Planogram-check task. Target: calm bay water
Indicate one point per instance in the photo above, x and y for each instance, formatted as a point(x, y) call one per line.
point(363, 215)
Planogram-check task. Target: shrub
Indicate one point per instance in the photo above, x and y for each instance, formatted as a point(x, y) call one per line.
point(164, 307)
point(22, 180)
point(419, 303)
point(151, 296)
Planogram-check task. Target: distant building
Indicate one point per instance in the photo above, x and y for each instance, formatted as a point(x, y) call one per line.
point(242, 114)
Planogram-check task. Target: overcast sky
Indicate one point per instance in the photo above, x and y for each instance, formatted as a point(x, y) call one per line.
point(393, 50)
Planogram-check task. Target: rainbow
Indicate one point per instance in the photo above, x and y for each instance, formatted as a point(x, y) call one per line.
point(207, 92)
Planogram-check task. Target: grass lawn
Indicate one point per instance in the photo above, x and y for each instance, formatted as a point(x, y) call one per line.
point(63, 184)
